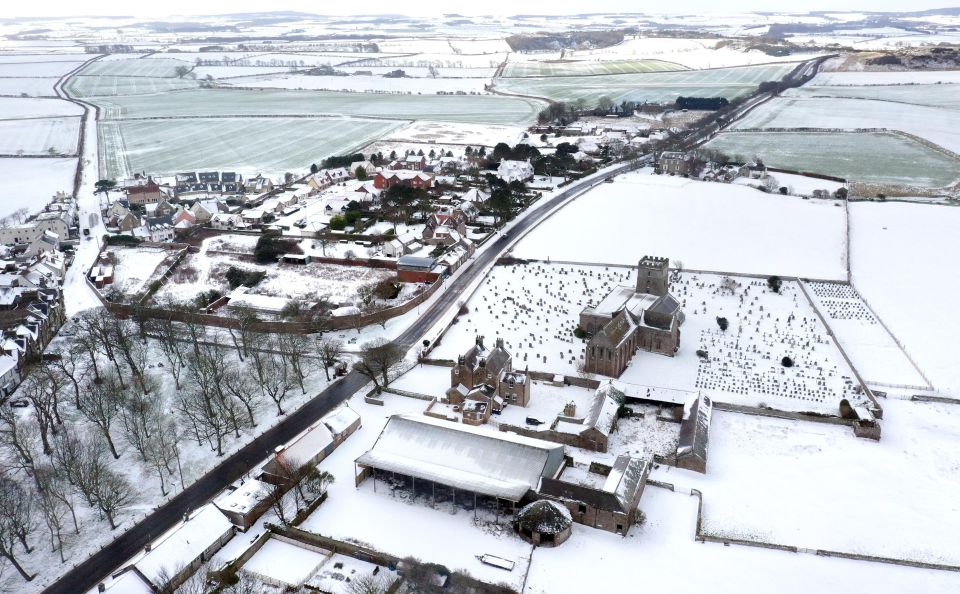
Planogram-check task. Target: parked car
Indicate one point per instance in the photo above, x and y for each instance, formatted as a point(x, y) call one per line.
point(19, 403)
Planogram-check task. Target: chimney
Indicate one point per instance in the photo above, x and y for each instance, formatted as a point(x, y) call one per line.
point(570, 409)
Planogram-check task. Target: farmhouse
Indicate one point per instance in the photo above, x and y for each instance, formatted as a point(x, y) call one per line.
point(483, 381)
point(644, 317)
point(754, 170)
point(472, 462)
point(676, 163)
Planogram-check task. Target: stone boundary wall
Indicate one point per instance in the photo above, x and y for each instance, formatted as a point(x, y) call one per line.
point(780, 414)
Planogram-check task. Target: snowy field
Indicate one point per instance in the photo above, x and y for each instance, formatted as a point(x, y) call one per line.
point(799, 237)
point(938, 125)
point(447, 133)
point(24, 107)
point(941, 95)
point(31, 183)
point(657, 87)
point(915, 305)
point(577, 67)
point(872, 350)
point(158, 67)
point(49, 136)
point(107, 86)
point(362, 84)
point(882, 158)
point(44, 69)
point(664, 551)
point(268, 145)
point(221, 102)
point(779, 481)
point(910, 77)
point(33, 87)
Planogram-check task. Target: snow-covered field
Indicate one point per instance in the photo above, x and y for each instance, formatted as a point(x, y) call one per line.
point(45, 68)
point(663, 551)
point(577, 67)
point(658, 87)
point(133, 267)
point(30, 183)
point(33, 87)
point(158, 67)
point(56, 136)
point(940, 95)
point(448, 133)
point(30, 107)
point(707, 226)
point(938, 125)
point(93, 86)
point(362, 84)
point(817, 486)
point(883, 158)
point(221, 102)
point(268, 145)
point(901, 264)
point(909, 77)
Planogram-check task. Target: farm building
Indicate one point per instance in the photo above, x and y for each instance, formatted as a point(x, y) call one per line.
point(469, 461)
point(313, 445)
point(695, 434)
point(544, 523)
point(416, 269)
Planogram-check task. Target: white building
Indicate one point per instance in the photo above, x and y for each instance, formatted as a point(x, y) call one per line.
point(510, 171)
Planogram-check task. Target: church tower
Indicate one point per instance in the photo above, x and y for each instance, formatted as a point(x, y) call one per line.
point(653, 276)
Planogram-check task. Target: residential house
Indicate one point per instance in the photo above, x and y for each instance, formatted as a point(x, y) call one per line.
point(226, 221)
point(128, 222)
point(483, 381)
point(444, 229)
point(146, 193)
point(384, 180)
point(401, 245)
point(754, 170)
point(510, 171)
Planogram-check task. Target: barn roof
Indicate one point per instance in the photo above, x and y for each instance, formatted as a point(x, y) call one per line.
point(502, 465)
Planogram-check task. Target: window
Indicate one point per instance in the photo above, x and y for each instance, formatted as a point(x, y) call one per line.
point(619, 528)
point(582, 508)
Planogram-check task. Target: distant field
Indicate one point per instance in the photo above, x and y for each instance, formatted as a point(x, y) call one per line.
point(222, 102)
point(656, 87)
point(39, 136)
point(268, 145)
point(581, 68)
point(933, 95)
point(871, 158)
point(110, 86)
point(30, 183)
point(160, 68)
point(937, 125)
point(33, 87)
point(46, 68)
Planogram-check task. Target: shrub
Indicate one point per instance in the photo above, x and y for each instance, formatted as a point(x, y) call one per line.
point(338, 223)
point(123, 240)
point(702, 353)
point(247, 278)
point(206, 298)
point(269, 248)
point(774, 283)
point(846, 411)
point(786, 362)
point(723, 323)
point(580, 332)
point(387, 289)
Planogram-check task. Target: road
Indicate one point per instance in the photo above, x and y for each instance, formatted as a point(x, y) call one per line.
point(88, 574)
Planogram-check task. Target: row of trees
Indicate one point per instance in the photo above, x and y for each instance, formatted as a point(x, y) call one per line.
point(140, 392)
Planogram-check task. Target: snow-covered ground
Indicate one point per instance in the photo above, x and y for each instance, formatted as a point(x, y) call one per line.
point(362, 84)
point(707, 226)
point(817, 486)
point(901, 264)
point(909, 77)
point(48, 136)
point(450, 133)
point(133, 267)
point(31, 183)
point(33, 107)
point(663, 552)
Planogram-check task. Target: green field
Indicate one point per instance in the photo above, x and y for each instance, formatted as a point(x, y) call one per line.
point(940, 95)
point(270, 145)
point(480, 109)
point(656, 87)
point(580, 68)
point(865, 157)
point(93, 86)
point(154, 67)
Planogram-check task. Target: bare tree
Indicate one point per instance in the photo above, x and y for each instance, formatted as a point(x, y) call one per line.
point(239, 385)
point(43, 394)
point(72, 365)
point(131, 349)
point(367, 584)
point(172, 347)
point(100, 404)
point(55, 486)
point(139, 412)
point(54, 513)
point(244, 337)
point(329, 350)
point(16, 522)
point(96, 326)
point(380, 361)
point(163, 450)
point(19, 438)
point(270, 373)
point(292, 348)
point(112, 493)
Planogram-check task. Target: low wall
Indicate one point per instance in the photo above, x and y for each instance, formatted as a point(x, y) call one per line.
point(781, 414)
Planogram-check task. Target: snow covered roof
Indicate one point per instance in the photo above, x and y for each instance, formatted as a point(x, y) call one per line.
point(695, 427)
point(544, 517)
point(244, 498)
point(185, 543)
point(340, 419)
point(619, 493)
point(129, 582)
point(502, 465)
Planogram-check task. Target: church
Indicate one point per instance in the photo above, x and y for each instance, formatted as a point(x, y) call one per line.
point(644, 317)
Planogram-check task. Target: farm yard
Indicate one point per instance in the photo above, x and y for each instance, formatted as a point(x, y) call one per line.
point(871, 157)
point(248, 145)
point(732, 220)
point(656, 87)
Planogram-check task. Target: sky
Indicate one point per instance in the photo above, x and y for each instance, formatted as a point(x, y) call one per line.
point(47, 8)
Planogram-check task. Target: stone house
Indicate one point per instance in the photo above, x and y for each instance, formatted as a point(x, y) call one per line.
point(146, 193)
point(676, 163)
point(385, 180)
point(644, 317)
point(484, 381)
point(754, 170)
